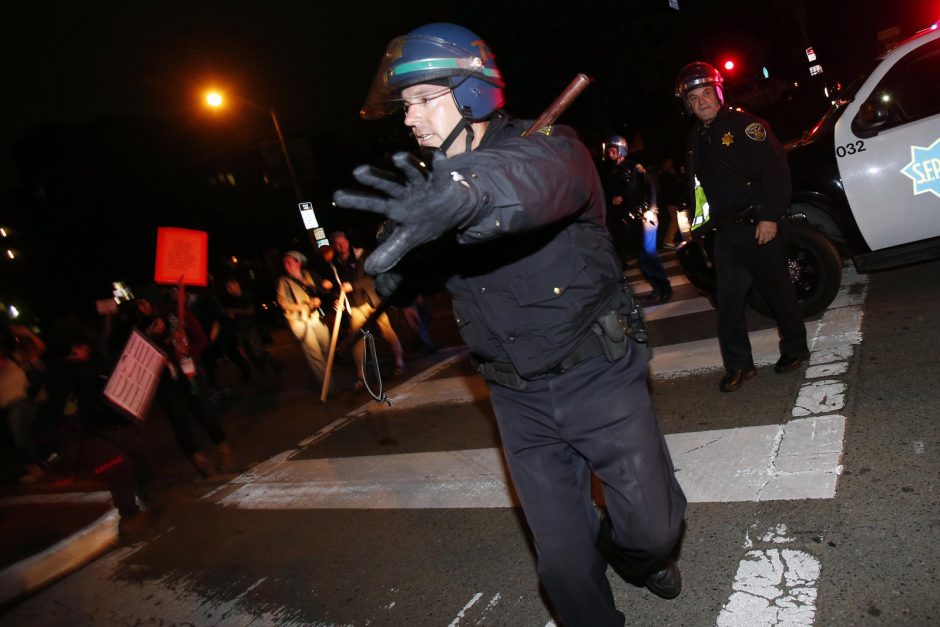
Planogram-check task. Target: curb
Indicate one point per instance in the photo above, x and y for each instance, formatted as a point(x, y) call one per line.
point(64, 556)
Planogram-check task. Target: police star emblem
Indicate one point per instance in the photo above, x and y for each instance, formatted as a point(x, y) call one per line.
point(727, 139)
point(924, 168)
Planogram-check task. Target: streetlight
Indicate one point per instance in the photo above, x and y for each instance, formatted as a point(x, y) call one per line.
point(215, 99)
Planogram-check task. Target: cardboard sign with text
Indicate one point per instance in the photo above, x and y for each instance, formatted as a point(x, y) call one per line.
point(182, 253)
point(135, 378)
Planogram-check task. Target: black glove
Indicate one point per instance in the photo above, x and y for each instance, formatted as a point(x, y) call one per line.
point(424, 206)
point(386, 283)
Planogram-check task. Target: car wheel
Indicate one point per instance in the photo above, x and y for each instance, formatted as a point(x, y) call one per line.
point(695, 257)
point(815, 268)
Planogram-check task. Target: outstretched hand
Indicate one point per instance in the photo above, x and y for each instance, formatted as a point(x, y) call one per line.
point(424, 206)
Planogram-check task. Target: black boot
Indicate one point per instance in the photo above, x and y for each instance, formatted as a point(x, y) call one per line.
point(735, 378)
point(789, 363)
point(667, 581)
point(664, 579)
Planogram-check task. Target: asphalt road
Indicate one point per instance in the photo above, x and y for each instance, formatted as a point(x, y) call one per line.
point(813, 496)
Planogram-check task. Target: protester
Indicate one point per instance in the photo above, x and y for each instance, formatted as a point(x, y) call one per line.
point(223, 338)
point(183, 388)
point(18, 410)
point(238, 306)
point(300, 296)
point(363, 300)
point(87, 434)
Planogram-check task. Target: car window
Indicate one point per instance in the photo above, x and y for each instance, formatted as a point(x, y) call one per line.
point(911, 89)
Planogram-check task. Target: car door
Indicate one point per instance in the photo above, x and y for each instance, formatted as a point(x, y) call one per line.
point(888, 147)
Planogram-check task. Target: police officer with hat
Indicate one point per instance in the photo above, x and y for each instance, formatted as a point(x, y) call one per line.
point(742, 191)
point(518, 224)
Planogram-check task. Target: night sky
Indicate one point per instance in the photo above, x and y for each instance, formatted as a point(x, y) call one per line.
point(313, 62)
point(80, 63)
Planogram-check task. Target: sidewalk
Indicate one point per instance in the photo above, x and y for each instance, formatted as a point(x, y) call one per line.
point(49, 529)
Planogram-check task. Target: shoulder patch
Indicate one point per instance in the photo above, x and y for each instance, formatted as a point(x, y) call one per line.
point(545, 130)
point(756, 131)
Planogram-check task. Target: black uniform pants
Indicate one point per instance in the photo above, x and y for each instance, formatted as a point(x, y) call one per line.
point(595, 417)
point(739, 264)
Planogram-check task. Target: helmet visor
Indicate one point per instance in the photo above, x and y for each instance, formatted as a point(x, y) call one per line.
point(415, 59)
point(695, 83)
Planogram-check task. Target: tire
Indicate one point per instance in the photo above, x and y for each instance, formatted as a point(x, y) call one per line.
point(816, 270)
point(695, 257)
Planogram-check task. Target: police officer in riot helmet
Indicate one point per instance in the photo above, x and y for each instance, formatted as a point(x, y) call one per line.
point(632, 209)
point(742, 191)
point(539, 298)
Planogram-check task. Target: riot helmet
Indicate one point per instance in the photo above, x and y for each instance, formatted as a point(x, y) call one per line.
point(699, 74)
point(444, 54)
point(439, 54)
point(618, 142)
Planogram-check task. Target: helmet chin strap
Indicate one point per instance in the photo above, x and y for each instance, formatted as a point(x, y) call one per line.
point(465, 124)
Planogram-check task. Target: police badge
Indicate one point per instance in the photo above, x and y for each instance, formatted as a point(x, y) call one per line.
point(756, 131)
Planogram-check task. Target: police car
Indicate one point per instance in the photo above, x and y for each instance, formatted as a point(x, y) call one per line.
point(866, 178)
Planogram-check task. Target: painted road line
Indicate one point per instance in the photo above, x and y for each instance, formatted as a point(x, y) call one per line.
point(700, 356)
point(476, 613)
point(668, 260)
point(676, 308)
point(174, 598)
point(831, 338)
point(476, 597)
point(773, 586)
point(643, 286)
point(412, 395)
point(778, 586)
point(672, 361)
point(408, 394)
point(799, 460)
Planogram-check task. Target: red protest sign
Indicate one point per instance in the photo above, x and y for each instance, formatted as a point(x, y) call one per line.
point(182, 253)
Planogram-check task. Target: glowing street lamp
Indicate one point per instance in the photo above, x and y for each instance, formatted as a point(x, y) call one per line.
point(214, 99)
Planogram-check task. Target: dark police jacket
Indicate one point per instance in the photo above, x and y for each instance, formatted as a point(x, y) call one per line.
point(532, 275)
point(740, 163)
point(634, 185)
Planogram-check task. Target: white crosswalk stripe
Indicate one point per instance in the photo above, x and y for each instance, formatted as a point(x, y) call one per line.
point(799, 459)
